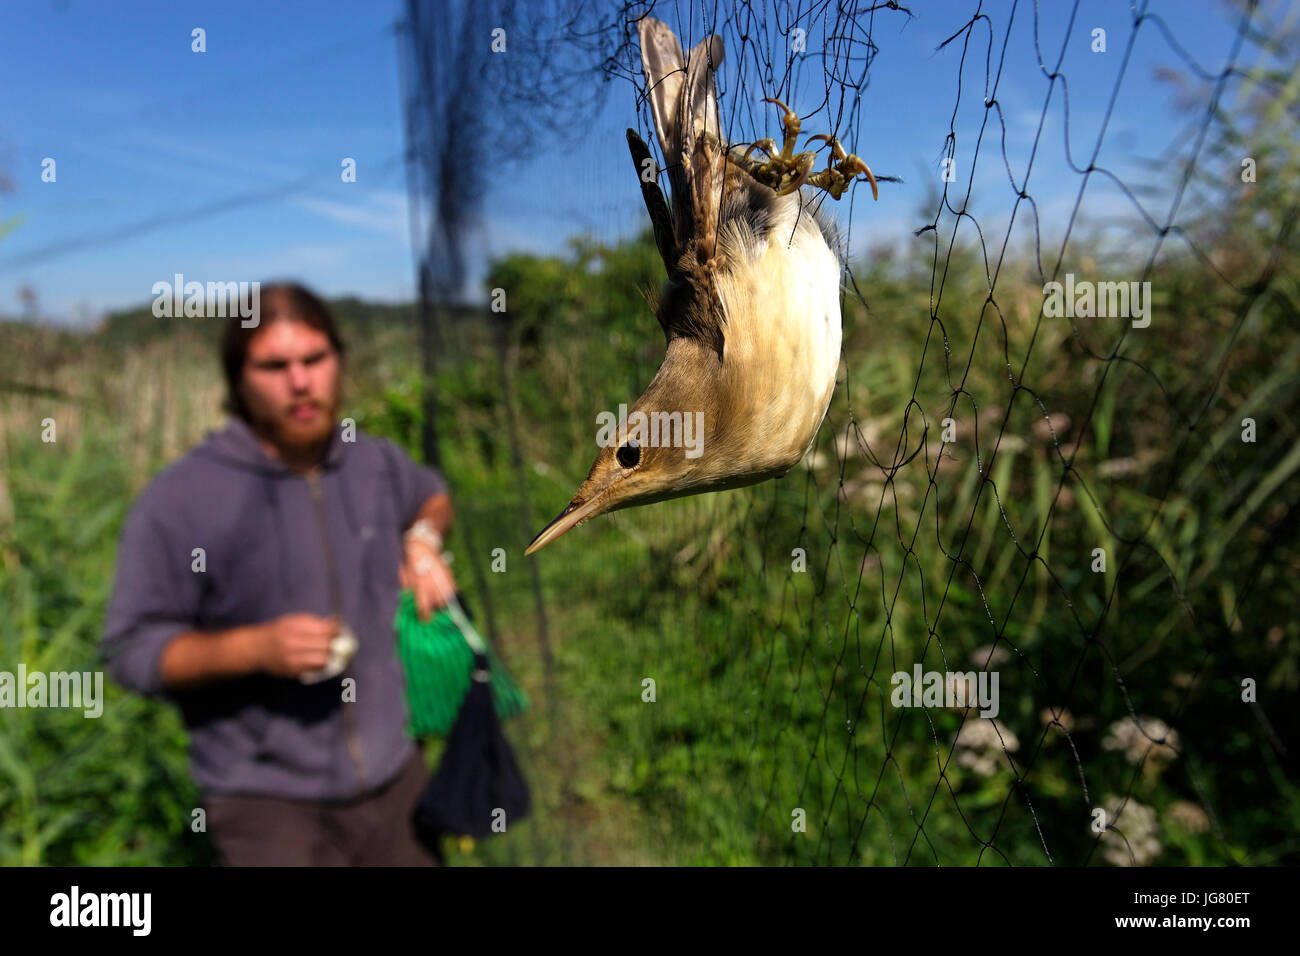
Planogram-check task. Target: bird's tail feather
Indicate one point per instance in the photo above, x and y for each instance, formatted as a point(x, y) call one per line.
point(677, 90)
point(665, 71)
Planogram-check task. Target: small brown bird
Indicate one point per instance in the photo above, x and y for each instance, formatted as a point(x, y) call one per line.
point(751, 307)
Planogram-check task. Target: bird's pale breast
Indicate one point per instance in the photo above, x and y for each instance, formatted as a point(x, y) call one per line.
point(783, 333)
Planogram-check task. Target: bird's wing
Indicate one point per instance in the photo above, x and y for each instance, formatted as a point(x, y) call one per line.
point(661, 220)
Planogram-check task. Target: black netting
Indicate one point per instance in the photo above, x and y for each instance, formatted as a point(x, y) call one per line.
point(1065, 500)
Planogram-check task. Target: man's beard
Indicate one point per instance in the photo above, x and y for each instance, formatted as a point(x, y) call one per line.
point(298, 439)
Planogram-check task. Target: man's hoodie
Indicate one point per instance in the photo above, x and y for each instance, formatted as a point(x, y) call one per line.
point(228, 536)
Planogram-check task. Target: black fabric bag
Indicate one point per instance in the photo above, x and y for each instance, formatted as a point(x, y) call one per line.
point(477, 776)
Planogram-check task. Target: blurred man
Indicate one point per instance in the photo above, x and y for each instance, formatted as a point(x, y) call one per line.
point(244, 564)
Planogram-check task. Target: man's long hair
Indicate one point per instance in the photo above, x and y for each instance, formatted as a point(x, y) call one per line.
point(278, 300)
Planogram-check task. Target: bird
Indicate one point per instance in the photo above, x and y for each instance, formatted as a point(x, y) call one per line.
point(750, 308)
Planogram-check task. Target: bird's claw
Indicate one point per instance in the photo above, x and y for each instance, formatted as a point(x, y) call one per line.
point(784, 171)
point(767, 145)
point(787, 171)
point(789, 123)
point(841, 169)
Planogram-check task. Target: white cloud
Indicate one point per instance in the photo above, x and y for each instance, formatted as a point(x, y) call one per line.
point(379, 211)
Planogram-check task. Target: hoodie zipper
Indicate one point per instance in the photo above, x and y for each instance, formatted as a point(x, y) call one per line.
point(336, 601)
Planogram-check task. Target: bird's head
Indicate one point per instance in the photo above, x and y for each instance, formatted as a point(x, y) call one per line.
point(675, 440)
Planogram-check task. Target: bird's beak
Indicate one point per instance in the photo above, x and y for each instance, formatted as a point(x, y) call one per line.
point(574, 512)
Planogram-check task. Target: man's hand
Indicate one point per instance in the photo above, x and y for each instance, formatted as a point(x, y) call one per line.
point(427, 575)
point(294, 644)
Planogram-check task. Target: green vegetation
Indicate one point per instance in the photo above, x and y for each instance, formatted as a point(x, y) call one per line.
point(772, 684)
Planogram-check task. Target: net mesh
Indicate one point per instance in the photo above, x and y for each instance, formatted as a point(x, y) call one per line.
point(1066, 502)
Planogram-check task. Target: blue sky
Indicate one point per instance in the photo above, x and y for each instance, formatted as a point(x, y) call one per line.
point(252, 133)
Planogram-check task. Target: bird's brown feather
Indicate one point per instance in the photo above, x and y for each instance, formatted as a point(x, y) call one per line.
point(662, 60)
point(661, 219)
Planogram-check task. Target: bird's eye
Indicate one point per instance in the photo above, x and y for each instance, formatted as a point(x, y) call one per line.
point(629, 455)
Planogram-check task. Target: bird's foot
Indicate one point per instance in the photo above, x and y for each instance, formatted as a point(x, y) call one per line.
point(784, 171)
point(787, 170)
point(841, 169)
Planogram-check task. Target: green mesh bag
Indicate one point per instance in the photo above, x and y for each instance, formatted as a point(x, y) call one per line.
point(438, 656)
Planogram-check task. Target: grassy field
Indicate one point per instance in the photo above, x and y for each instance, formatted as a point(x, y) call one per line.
point(770, 619)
